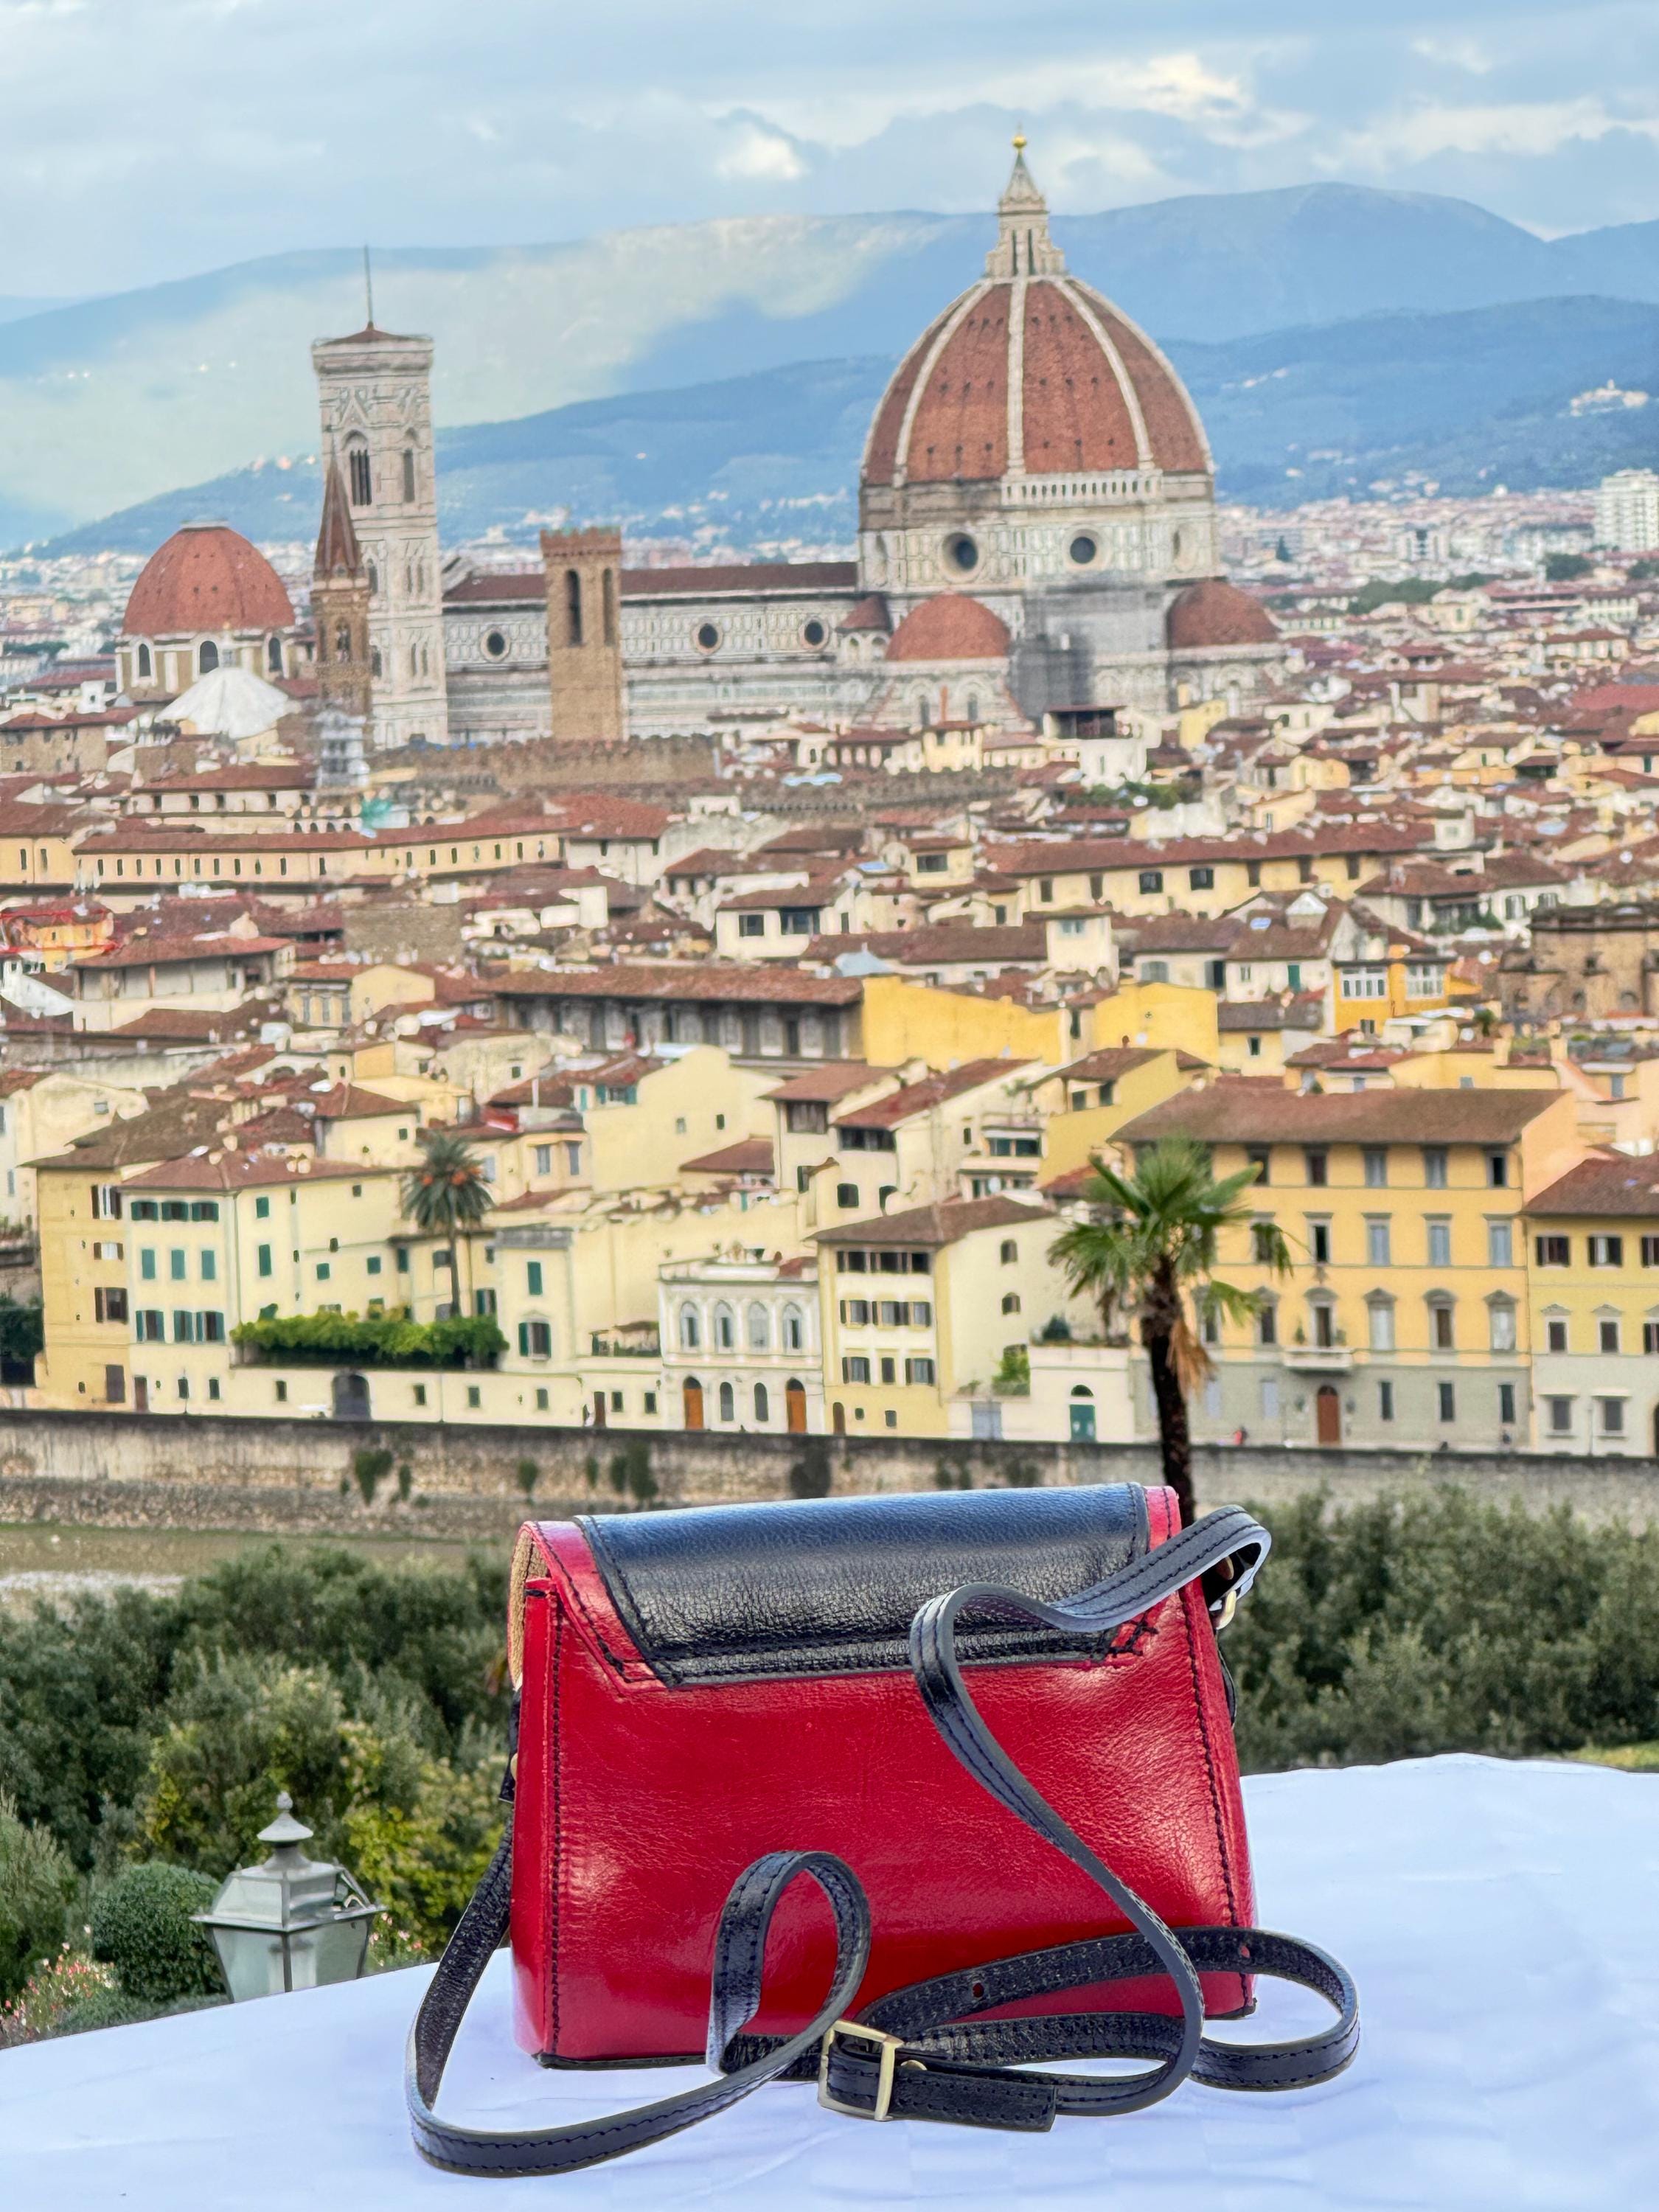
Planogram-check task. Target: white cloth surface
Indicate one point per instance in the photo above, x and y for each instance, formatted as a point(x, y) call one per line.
point(1502, 1922)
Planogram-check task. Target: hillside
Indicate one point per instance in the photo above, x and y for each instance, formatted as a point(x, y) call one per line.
point(108, 402)
point(1473, 399)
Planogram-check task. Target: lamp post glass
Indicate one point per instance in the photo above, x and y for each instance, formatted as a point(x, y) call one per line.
point(290, 1923)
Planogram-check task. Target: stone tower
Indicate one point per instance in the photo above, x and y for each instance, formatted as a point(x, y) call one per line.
point(584, 631)
point(376, 393)
point(340, 604)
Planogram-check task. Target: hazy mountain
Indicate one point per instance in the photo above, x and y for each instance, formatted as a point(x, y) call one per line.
point(109, 402)
point(1473, 399)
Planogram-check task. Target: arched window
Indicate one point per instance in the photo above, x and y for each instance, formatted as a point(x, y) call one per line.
point(409, 475)
point(373, 579)
point(1009, 1252)
point(794, 1334)
point(691, 1329)
point(362, 478)
point(728, 1402)
point(760, 1329)
point(414, 659)
point(973, 706)
point(1010, 1302)
point(145, 664)
point(343, 641)
point(375, 667)
point(924, 707)
point(573, 607)
point(608, 604)
point(274, 655)
point(1081, 1390)
point(763, 1405)
point(207, 657)
point(726, 1328)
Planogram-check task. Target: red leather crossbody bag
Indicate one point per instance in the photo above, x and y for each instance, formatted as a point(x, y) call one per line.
point(906, 1792)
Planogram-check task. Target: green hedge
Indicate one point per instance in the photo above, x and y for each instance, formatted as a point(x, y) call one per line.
point(382, 1340)
point(142, 1926)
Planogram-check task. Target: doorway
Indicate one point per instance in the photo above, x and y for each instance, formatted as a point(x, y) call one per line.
point(1083, 1416)
point(692, 1397)
point(1328, 1415)
point(350, 1397)
point(794, 1407)
point(838, 1419)
point(141, 1394)
point(598, 1409)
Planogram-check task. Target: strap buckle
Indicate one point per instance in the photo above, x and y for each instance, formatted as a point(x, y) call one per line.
point(854, 2031)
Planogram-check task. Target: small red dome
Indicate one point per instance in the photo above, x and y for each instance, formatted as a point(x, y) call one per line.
point(1217, 613)
point(949, 627)
point(206, 577)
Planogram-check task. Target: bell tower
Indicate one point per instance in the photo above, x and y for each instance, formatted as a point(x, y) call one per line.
point(339, 604)
point(374, 390)
point(583, 632)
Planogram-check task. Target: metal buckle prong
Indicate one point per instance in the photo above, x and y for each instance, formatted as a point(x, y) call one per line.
point(889, 2046)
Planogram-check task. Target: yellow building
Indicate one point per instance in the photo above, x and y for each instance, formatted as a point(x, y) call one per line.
point(1405, 1322)
point(42, 1111)
point(1593, 1254)
point(1087, 1102)
point(915, 1307)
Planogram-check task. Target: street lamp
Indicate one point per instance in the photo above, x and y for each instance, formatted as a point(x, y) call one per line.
point(290, 1923)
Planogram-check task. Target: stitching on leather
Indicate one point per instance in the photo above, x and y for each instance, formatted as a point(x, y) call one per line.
point(616, 1660)
point(744, 1666)
point(1209, 1762)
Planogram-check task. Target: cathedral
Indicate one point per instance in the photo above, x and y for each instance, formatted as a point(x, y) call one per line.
point(1037, 531)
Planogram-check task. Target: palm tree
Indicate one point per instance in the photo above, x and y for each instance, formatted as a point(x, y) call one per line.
point(1150, 1247)
point(446, 1193)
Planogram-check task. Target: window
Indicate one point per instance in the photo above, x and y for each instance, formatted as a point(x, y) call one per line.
point(409, 475)
point(1555, 1334)
point(751, 925)
point(1365, 982)
point(1380, 1313)
point(1376, 1167)
point(1262, 1242)
point(209, 1266)
point(1447, 1393)
point(1435, 1160)
point(1377, 1253)
point(1606, 1333)
point(1501, 1322)
point(362, 478)
point(419, 1393)
point(1151, 880)
point(690, 1329)
point(1424, 980)
point(1318, 1163)
point(1651, 1251)
point(1553, 1251)
point(1611, 1412)
point(146, 666)
point(532, 1277)
point(1385, 1402)
point(372, 1264)
point(890, 1370)
point(1319, 1242)
point(178, 1264)
point(1506, 1405)
point(762, 1404)
point(1441, 1329)
point(855, 1370)
point(1561, 1416)
point(1154, 971)
point(109, 1305)
point(1650, 1337)
point(1010, 1303)
point(152, 1326)
point(282, 1393)
point(918, 1371)
point(847, 1197)
point(262, 1209)
point(1439, 1227)
point(1007, 1252)
point(1198, 879)
point(1500, 1244)
point(147, 1264)
point(1261, 1158)
point(1498, 1170)
point(760, 1328)
point(107, 1203)
point(1607, 1251)
point(855, 1313)
point(535, 1340)
point(324, 1271)
point(1267, 1324)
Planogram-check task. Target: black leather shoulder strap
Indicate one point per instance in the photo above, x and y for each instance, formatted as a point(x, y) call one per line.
point(918, 2054)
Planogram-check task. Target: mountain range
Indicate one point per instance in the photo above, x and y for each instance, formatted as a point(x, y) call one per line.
point(1348, 332)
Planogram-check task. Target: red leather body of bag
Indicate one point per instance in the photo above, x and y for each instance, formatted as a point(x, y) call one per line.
point(700, 1688)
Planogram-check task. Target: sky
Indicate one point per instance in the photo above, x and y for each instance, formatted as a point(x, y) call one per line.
point(150, 139)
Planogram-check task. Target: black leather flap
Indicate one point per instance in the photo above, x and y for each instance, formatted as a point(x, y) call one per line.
point(829, 1586)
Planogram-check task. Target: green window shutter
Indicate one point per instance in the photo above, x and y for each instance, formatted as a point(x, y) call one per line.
point(524, 1339)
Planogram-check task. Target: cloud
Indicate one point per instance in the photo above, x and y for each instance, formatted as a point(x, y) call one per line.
point(755, 153)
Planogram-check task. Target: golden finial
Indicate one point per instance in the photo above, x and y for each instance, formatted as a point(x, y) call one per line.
point(1019, 142)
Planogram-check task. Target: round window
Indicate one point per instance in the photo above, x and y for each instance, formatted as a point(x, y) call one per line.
point(495, 645)
point(709, 636)
point(813, 632)
point(1085, 550)
point(962, 553)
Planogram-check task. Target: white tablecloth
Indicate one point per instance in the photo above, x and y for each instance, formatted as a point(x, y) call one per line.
point(1502, 1922)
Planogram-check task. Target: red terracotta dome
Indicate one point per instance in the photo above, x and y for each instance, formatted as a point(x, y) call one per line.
point(950, 627)
point(206, 578)
point(1217, 613)
point(1031, 372)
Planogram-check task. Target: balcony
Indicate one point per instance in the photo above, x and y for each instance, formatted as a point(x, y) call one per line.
point(1318, 1358)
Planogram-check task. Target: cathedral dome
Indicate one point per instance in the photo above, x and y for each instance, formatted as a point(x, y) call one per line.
point(1031, 372)
point(949, 627)
point(1217, 613)
point(206, 578)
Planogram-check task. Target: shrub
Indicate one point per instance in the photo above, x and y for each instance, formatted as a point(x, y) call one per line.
point(382, 1340)
point(36, 1884)
point(370, 1467)
point(65, 1992)
point(527, 1474)
point(140, 1925)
